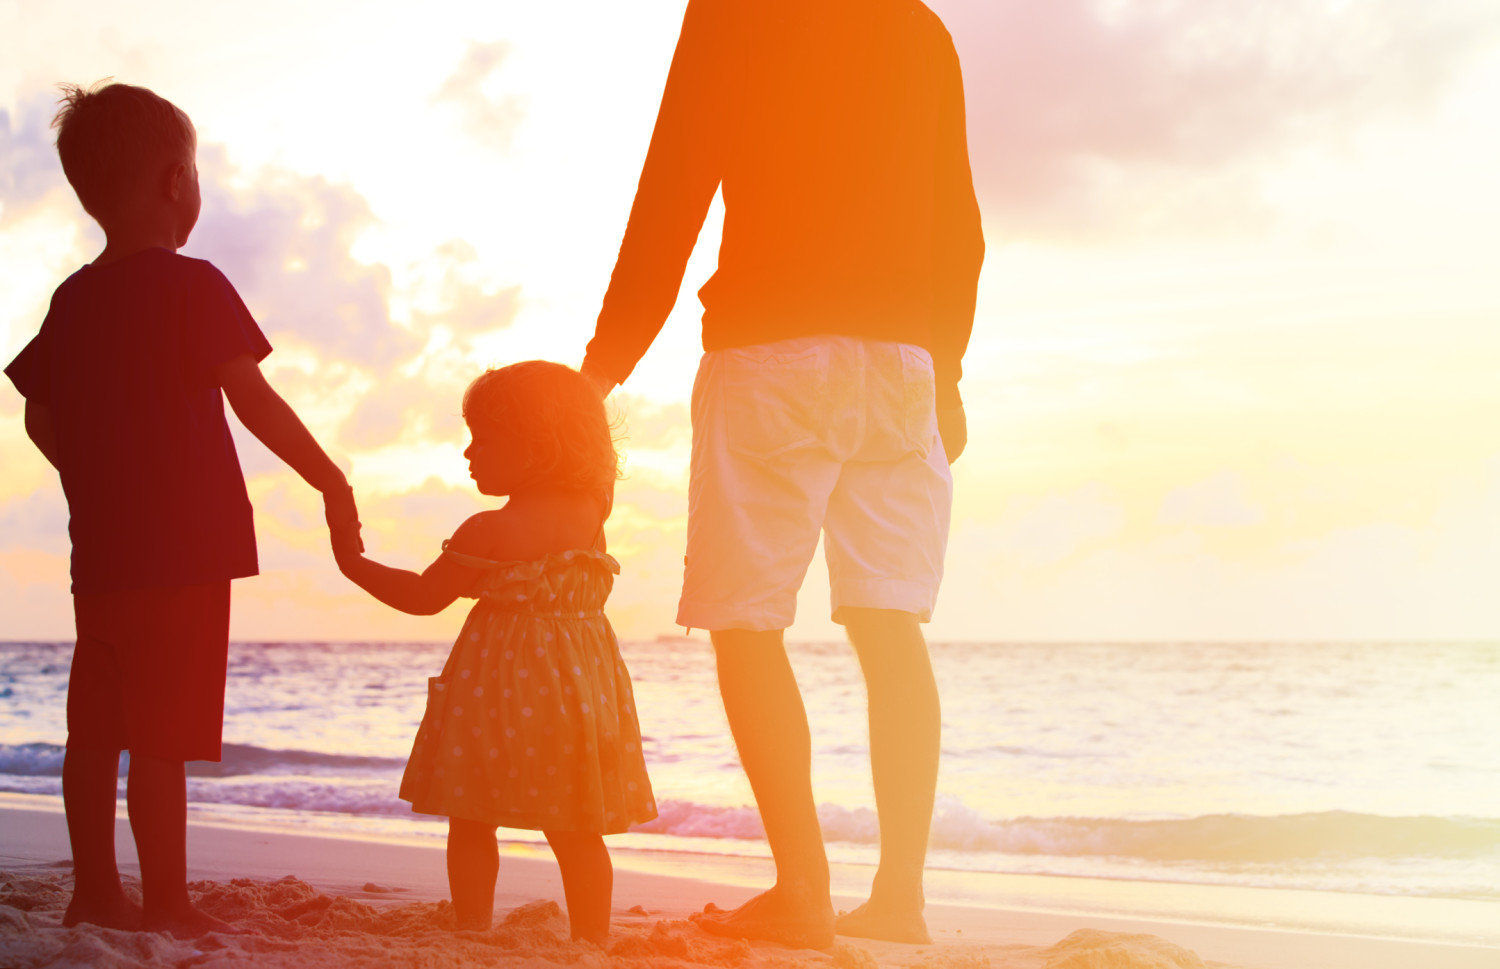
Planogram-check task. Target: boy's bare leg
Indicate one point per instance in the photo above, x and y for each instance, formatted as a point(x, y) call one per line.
point(90, 789)
point(473, 864)
point(588, 881)
point(905, 736)
point(157, 794)
point(770, 729)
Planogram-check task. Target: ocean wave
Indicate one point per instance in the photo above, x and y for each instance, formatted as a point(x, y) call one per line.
point(31, 760)
point(46, 760)
point(1215, 838)
point(357, 785)
point(1326, 835)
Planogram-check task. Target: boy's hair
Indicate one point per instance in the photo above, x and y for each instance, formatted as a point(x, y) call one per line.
point(555, 415)
point(111, 136)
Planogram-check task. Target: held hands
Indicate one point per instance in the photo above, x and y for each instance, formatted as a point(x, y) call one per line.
point(343, 524)
point(602, 384)
point(953, 428)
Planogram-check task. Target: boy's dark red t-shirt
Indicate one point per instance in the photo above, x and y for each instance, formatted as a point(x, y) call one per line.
point(125, 362)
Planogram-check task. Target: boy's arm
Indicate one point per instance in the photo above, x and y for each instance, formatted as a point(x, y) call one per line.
point(431, 592)
point(272, 420)
point(39, 428)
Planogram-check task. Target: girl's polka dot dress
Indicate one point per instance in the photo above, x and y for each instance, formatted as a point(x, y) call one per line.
point(532, 723)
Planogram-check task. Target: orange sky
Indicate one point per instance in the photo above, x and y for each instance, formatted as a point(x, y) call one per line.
point(1233, 368)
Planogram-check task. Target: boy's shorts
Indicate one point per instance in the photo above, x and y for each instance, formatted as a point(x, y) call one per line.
point(148, 671)
point(830, 433)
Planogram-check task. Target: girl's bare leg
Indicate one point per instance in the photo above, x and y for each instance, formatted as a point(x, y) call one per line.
point(588, 881)
point(473, 863)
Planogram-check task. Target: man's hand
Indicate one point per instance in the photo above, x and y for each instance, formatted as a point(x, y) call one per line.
point(953, 428)
point(604, 385)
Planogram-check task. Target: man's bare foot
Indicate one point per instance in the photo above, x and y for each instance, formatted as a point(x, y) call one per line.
point(113, 912)
point(187, 922)
point(774, 916)
point(889, 924)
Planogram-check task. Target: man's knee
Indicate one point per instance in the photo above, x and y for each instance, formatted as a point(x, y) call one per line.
point(728, 642)
point(865, 622)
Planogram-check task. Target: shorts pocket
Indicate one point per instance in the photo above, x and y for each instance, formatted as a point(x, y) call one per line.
point(919, 400)
point(775, 403)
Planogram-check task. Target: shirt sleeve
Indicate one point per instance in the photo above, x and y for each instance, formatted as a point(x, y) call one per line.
point(222, 327)
point(684, 166)
point(31, 370)
point(959, 250)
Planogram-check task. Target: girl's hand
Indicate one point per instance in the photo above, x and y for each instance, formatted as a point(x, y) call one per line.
point(347, 545)
point(342, 516)
point(420, 594)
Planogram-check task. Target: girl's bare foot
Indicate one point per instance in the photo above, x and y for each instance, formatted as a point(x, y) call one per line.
point(113, 912)
point(776, 916)
point(903, 924)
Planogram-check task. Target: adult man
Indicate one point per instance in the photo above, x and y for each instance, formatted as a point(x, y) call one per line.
point(827, 398)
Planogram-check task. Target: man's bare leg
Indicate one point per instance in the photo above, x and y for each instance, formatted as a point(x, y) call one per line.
point(90, 789)
point(905, 736)
point(770, 729)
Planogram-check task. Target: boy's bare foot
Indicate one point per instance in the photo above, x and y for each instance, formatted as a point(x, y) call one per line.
point(114, 912)
point(775, 916)
point(187, 922)
point(891, 924)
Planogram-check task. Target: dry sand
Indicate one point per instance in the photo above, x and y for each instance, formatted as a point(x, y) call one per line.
point(374, 904)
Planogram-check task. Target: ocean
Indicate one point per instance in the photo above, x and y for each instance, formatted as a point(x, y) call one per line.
point(1364, 775)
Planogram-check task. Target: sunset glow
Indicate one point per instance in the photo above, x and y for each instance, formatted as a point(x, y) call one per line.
point(1233, 368)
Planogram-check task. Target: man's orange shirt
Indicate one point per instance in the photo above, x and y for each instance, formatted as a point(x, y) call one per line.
point(836, 128)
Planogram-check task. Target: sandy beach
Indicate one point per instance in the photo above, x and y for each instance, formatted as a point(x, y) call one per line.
point(312, 901)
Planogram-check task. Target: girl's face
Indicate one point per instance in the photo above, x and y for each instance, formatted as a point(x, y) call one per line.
point(495, 461)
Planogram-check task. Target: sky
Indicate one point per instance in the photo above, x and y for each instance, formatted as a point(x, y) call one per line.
point(1233, 367)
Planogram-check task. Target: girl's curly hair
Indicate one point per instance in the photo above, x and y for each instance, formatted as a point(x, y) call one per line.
point(554, 414)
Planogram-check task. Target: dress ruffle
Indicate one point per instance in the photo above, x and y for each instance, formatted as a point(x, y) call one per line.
point(532, 722)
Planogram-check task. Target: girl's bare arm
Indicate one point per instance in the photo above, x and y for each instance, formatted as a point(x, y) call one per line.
point(420, 594)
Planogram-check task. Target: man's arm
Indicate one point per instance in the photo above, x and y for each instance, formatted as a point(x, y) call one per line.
point(264, 414)
point(957, 257)
point(682, 172)
point(39, 428)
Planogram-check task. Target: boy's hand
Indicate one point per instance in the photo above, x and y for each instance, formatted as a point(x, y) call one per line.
point(343, 521)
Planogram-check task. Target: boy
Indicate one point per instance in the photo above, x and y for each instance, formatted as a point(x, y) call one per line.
point(122, 389)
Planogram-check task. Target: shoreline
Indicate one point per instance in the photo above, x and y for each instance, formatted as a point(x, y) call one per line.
point(382, 873)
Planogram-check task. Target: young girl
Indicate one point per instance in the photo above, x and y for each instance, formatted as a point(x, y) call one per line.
point(532, 723)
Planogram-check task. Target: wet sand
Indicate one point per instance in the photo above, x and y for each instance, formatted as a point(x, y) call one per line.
point(318, 901)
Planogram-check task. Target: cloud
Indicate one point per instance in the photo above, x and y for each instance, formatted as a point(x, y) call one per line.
point(1088, 117)
point(284, 241)
point(1217, 502)
point(410, 527)
point(38, 521)
point(30, 173)
point(490, 121)
point(1058, 526)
